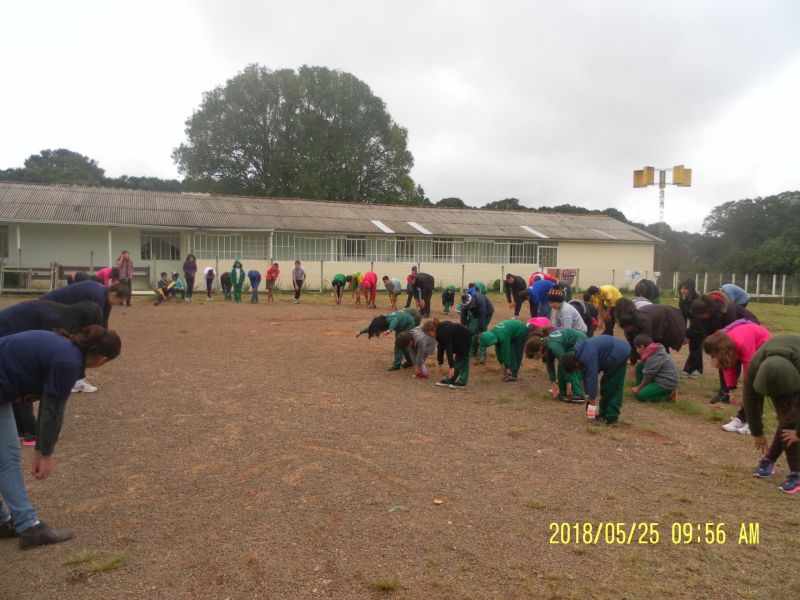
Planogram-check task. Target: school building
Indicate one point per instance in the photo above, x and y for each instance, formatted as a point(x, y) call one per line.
point(70, 227)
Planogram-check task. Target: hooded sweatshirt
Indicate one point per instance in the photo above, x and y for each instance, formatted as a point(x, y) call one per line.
point(659, 367)
point(480, 309)
point(237, 273)
point(502, 336)
point(774, 371)
point(558, 344)
point(747, 337)
point(568, 317)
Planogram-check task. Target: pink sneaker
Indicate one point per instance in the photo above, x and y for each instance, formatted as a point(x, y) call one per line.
point(421, 375)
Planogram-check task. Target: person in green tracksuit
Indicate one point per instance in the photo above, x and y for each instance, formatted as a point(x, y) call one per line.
point(448, 298)
point(338, 282)
point(414, 314)
point(555, 344)
point(396, 322)
point(509, 339)
point(237, 280)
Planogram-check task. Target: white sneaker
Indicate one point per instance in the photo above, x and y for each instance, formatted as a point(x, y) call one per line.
point(734, 425)
point(695, 374)
point(744, 429)
point(83, 386)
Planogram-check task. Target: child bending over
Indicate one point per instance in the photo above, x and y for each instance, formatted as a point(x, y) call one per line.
point(657, 374)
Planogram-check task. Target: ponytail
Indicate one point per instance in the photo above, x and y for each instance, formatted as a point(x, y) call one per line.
point(97, 340)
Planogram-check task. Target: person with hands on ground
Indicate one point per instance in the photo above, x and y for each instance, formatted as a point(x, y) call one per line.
point(657, 375)
point(43, 366)
point(455, 341)
point(338, 282)
point(774, 371)
point(355, 279)
point(476, 313)
point(551, 345)
point(396, 322)
point(509, 339)
point(423, 284)
point(369, 284)
point(605, 299)
point(731, 349)
point(394, 287)
point(606, 355)
point(448, 298)
point(422, 343)
point(564, 315)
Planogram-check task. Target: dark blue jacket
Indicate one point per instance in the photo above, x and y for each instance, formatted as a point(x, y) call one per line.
point(78, 292)
point(600, 353)
point(481, 310)
point(539, 290)
point(255, 278)
point(46, 315)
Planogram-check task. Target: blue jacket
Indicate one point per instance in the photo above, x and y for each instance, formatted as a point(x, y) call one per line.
point(78, 292)
point(539, 290)
point(600, 353)
point(255, 278)
point(736, 294)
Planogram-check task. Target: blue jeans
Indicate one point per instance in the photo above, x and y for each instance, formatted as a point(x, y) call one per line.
point(254, 296)
point(12, 485)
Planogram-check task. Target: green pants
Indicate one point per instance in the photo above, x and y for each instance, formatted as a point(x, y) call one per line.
point(612, 385)
point(447, 306)
point(237, 292)
point(473, 327)
point(652, 392)
point(564, 378)
point(517, 350)
point(399, 354)
point(461, 368)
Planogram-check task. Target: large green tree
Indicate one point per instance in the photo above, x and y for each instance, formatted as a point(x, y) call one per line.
point(314, 133)
point(57, 166)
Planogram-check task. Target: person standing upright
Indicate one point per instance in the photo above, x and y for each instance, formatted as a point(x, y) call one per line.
point(125, 264)
point(190, 272)
point(298, 279)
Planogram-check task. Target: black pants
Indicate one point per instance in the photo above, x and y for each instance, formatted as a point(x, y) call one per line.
point(695, 360)
point(338, 290)
point(209, 285)
point(610, 322)
point(128, 284)
point(189, 284)
point(298, 286)
point(518, 306)
point(723, 388)
point(426, 299)
point(786, 408)
point(25, 419)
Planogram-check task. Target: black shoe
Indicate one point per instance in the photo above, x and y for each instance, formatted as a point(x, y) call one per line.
point(407, 364)
point(576, 399)
point(393, 368)
point(7, 530)
point(722, 397)
point(42, 534)
point(457, 385)
point(444, 383)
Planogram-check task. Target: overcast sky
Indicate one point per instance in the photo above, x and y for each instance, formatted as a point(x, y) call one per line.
point(549, 102)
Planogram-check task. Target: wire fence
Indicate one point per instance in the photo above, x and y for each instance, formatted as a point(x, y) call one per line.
point(762, 286)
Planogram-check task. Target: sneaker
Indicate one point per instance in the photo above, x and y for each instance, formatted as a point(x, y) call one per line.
point(575, 399)
point(744, 429)
point(684, 373)
point(509, 378)
point(83, 386)
point(734, 425)
point(7, 530)
point(28, 440)
point(792, 483)
point(482, 359)
point(41, 534)
point(457, 385)
point(407, 365)
point(443, 383)
point(297, 301)
point(765, 468)
point(695, 375)
point(394, 368)
point(722, 397)
point(421, 375)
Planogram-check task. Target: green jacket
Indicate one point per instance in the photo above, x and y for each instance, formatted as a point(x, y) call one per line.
point(559, 343)
point(339, 278)
point(774, 371)
point(400, 321)
point(502, 335)
point(241, 273)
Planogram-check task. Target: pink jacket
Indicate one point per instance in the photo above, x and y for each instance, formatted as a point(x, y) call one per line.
point(105, 275)
point(747, 337)
point(370, 280)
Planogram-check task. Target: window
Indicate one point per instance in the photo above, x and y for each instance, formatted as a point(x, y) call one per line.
point(352, 248)
point(404, 249)
point(161, 246)
point(3, 242)
point(522, 253)
point(311, 248)
point(218, 245)
point(442, 250)
point(255, 246)
point(548, 257)
point(283, 246)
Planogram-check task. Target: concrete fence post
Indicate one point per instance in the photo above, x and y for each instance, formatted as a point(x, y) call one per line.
point(91, 261)
point(705, 282)
point(758, 284)
point(321, 275)
point(774, 284)
point(733, 278)
point(746, 281)
point(614, 277)
point(783, 289)
point(462, 276)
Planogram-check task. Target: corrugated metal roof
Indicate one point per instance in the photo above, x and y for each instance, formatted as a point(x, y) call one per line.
point(33, 203)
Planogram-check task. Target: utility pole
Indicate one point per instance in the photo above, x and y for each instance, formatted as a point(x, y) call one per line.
point(681, 176)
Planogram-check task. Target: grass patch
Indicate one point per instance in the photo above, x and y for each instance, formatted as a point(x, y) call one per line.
point(505, 400)
point(517, 432)
point(432, 561)
point(386, 584)
point(84, 556)
point(110, 564)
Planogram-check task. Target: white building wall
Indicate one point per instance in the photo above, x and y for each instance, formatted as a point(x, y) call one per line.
point(601, 263)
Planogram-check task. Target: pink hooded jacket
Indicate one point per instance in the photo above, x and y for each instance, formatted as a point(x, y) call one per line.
point(747, 337)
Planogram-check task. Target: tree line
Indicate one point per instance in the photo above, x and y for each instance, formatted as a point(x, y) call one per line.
point(318, 133)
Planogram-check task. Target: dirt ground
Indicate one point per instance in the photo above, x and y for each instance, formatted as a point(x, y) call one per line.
point(241, 451)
